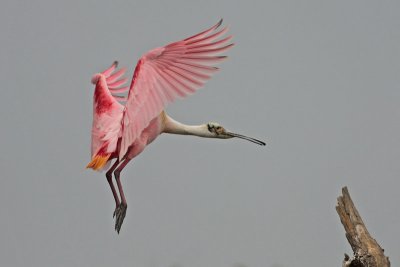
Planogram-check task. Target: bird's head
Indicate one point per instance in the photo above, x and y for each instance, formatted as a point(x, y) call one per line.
point(220, 132)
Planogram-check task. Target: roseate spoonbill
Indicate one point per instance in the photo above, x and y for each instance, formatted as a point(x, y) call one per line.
point(161, 75)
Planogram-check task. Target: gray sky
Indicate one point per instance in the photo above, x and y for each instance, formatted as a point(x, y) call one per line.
point(318, 80)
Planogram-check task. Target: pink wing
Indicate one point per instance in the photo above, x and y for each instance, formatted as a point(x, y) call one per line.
point(107, 111)
point(166, 73)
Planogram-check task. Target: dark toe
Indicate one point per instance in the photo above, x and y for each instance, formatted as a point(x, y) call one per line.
point(120, 213)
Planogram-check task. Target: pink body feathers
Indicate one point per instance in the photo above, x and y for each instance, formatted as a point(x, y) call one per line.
point(161, 75)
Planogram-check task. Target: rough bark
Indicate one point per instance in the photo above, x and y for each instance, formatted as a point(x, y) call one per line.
point(367, 252)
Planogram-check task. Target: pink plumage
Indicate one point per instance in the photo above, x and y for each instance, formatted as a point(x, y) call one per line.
point(161, 76)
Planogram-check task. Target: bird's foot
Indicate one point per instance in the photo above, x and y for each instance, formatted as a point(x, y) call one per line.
point(119, 215)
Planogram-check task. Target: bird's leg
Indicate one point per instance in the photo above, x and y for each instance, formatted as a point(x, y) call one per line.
point(121, 209)
point(110, 182)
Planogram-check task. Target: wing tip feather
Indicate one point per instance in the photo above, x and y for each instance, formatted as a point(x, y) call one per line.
point(219, 23)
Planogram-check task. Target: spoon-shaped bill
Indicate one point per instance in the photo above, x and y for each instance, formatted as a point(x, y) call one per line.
point(258, 142)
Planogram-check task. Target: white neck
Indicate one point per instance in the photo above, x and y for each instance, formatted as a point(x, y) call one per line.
point(174, 127)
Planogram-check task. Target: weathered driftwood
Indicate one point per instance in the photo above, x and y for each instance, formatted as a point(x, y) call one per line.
point(367, 252)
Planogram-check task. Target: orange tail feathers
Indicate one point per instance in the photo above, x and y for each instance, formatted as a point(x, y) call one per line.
point(98, 161)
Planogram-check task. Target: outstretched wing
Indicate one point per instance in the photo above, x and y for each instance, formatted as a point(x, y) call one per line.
point(107, 114)
point(166, 73)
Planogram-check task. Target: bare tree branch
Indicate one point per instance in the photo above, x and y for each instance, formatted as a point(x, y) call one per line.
point(367, 252)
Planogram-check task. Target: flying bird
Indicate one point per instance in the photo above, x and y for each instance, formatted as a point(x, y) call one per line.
point(124, 125)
